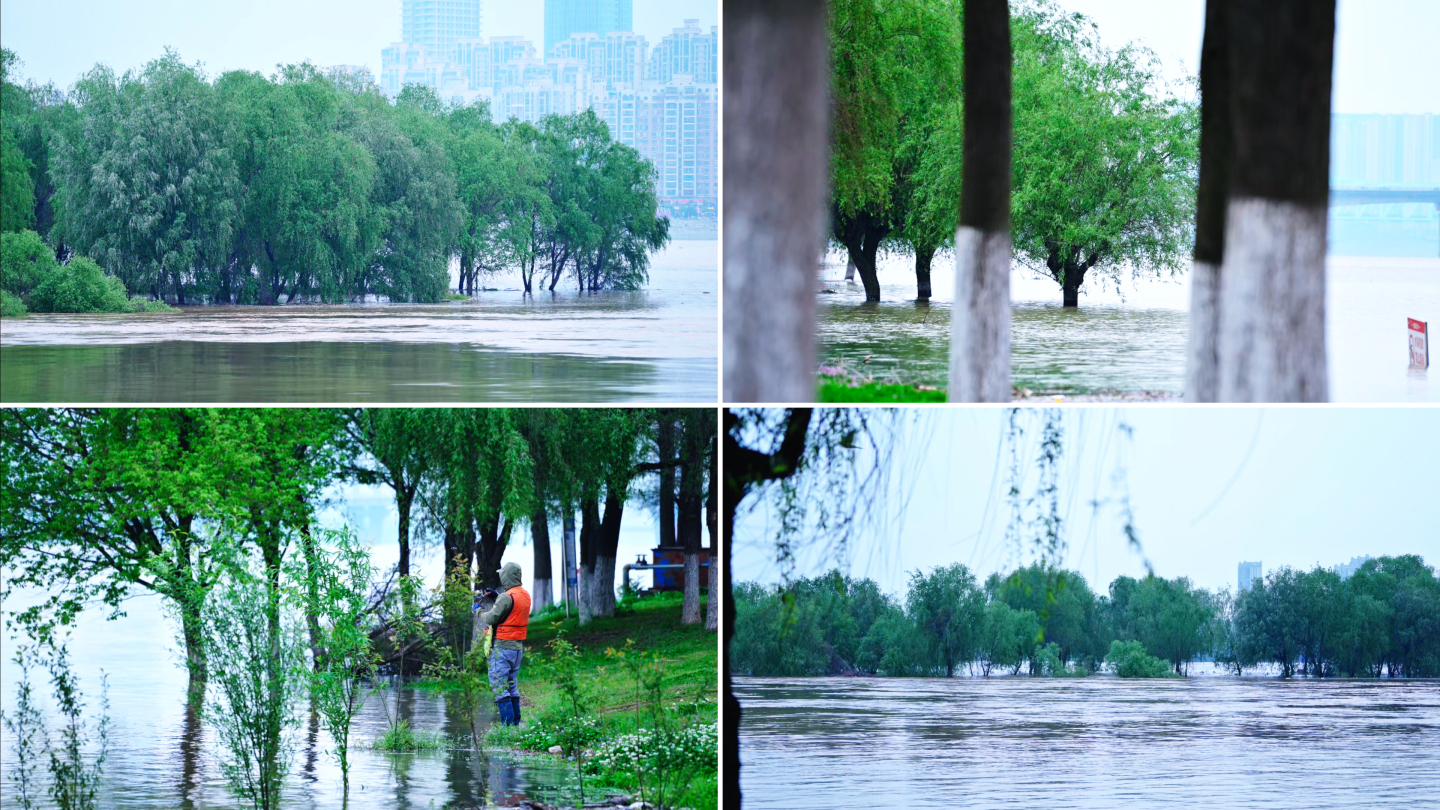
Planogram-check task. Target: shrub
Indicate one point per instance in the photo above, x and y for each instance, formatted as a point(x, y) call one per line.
point(25, 262)
point(400, 737)
point(81, 286)
point(10, 305)
point(1130, 660)
point(150, 305)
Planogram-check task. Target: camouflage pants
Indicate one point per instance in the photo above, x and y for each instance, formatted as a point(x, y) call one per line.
point(504, 670)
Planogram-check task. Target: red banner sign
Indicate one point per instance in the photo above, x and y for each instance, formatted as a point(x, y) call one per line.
point(1419, 344)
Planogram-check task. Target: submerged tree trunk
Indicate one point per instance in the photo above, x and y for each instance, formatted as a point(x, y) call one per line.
point(923, 257)
point(1272, 293)
point(542, 594)
point(1070, 283)
point(980, 317)
point(777, 168)
point(861, 233)
point(1202, 358)
point(849, 269)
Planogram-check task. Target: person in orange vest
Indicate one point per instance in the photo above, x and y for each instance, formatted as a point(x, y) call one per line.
point(508, 620)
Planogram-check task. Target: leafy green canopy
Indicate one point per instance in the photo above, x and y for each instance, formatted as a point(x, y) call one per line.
point(1382, 621)
point(309, 185)
point(1105, 158)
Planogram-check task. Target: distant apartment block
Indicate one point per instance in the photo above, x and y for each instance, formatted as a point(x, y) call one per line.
point(1385, 150)
point(437, 25)
point(664, 102)
point(1250, 573)
point(1347, 570)
point(565, 18)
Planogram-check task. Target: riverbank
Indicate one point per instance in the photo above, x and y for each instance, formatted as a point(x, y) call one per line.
point(644, 631)
point(839, 388)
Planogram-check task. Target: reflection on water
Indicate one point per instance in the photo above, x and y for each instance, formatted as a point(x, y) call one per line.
point(1093, 742)
point(163, 755)
point(1130, 338)
point(659, 343)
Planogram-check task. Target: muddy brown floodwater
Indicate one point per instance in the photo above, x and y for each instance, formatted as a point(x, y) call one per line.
point(657, 344)
point(1097, 742)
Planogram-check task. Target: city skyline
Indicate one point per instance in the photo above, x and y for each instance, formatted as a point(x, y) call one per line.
point(259, 35)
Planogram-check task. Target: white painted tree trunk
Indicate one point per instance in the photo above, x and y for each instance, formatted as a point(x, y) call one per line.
point(586, 598)
point(980, 318)
point(850, 270)
point(712, 607)
point(543, 596)
point(567, 579)
point(1272, 303)
point(690, 606)
point(1202, 361)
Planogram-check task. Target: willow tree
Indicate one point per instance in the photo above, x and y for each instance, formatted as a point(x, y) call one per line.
point(776, 165)
point(894, 71)
point(148, 180)
point(1105, 161)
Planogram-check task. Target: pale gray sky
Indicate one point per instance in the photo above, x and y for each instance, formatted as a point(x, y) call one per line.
point(1384, 49)
point(60, 39)
point(1321, 485)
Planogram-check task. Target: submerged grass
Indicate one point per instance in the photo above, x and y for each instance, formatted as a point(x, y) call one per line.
point(401, 738)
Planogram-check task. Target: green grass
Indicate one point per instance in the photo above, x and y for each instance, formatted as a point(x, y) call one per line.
point(689, 654)
point(834, 389)
point(149, 305)
point(402, 738)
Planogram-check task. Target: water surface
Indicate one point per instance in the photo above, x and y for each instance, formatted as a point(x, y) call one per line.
point(1095, 742)
point(161, 755)
point(657, 344)
point(1126, 337)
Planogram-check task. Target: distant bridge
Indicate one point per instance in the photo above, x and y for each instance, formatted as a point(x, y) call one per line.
point(1401, 194)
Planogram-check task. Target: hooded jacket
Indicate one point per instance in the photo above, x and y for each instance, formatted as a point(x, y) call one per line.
point(509, 578)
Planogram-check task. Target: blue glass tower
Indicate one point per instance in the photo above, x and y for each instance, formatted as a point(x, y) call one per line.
point(566, 17)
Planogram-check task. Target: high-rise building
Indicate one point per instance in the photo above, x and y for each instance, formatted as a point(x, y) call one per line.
point(438, 25)
point(564, 18)
point(1347, 570)
point(687, 51)
point(1250, 573)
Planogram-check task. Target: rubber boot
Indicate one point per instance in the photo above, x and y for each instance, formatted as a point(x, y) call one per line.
point(503, 704)
point(515, 709)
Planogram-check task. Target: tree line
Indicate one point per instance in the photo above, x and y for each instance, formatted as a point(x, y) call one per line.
point(1383, 621)
point(1043, 109)
point(1104, 157)
point(98, 503)
point(309, 185)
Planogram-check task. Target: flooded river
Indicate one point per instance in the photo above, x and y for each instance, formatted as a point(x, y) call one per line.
point(657, 344)
point(1095, 742)
point(160, 756)
point(1130, 338)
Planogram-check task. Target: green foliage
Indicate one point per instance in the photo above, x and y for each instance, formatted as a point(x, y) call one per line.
point(1007, 638)
point(17, 190)
point(80, 286)
point(28, 738)
point(254, 654)
point(1130, 660)
point(25, 263)
point(1169, 617)
point(835, 389)
point(10, 305)
point(577, 727)
point(1066, 607)
point(310, 186)
point(949, 610)
point(332, 585)
point(401, 738)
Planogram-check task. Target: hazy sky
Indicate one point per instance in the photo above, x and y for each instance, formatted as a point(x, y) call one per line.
point(1384, 49)
point(60, 39)
point(1209, 487)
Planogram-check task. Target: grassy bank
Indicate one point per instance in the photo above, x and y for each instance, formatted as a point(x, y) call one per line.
point(850, 390)
point(669, 727)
